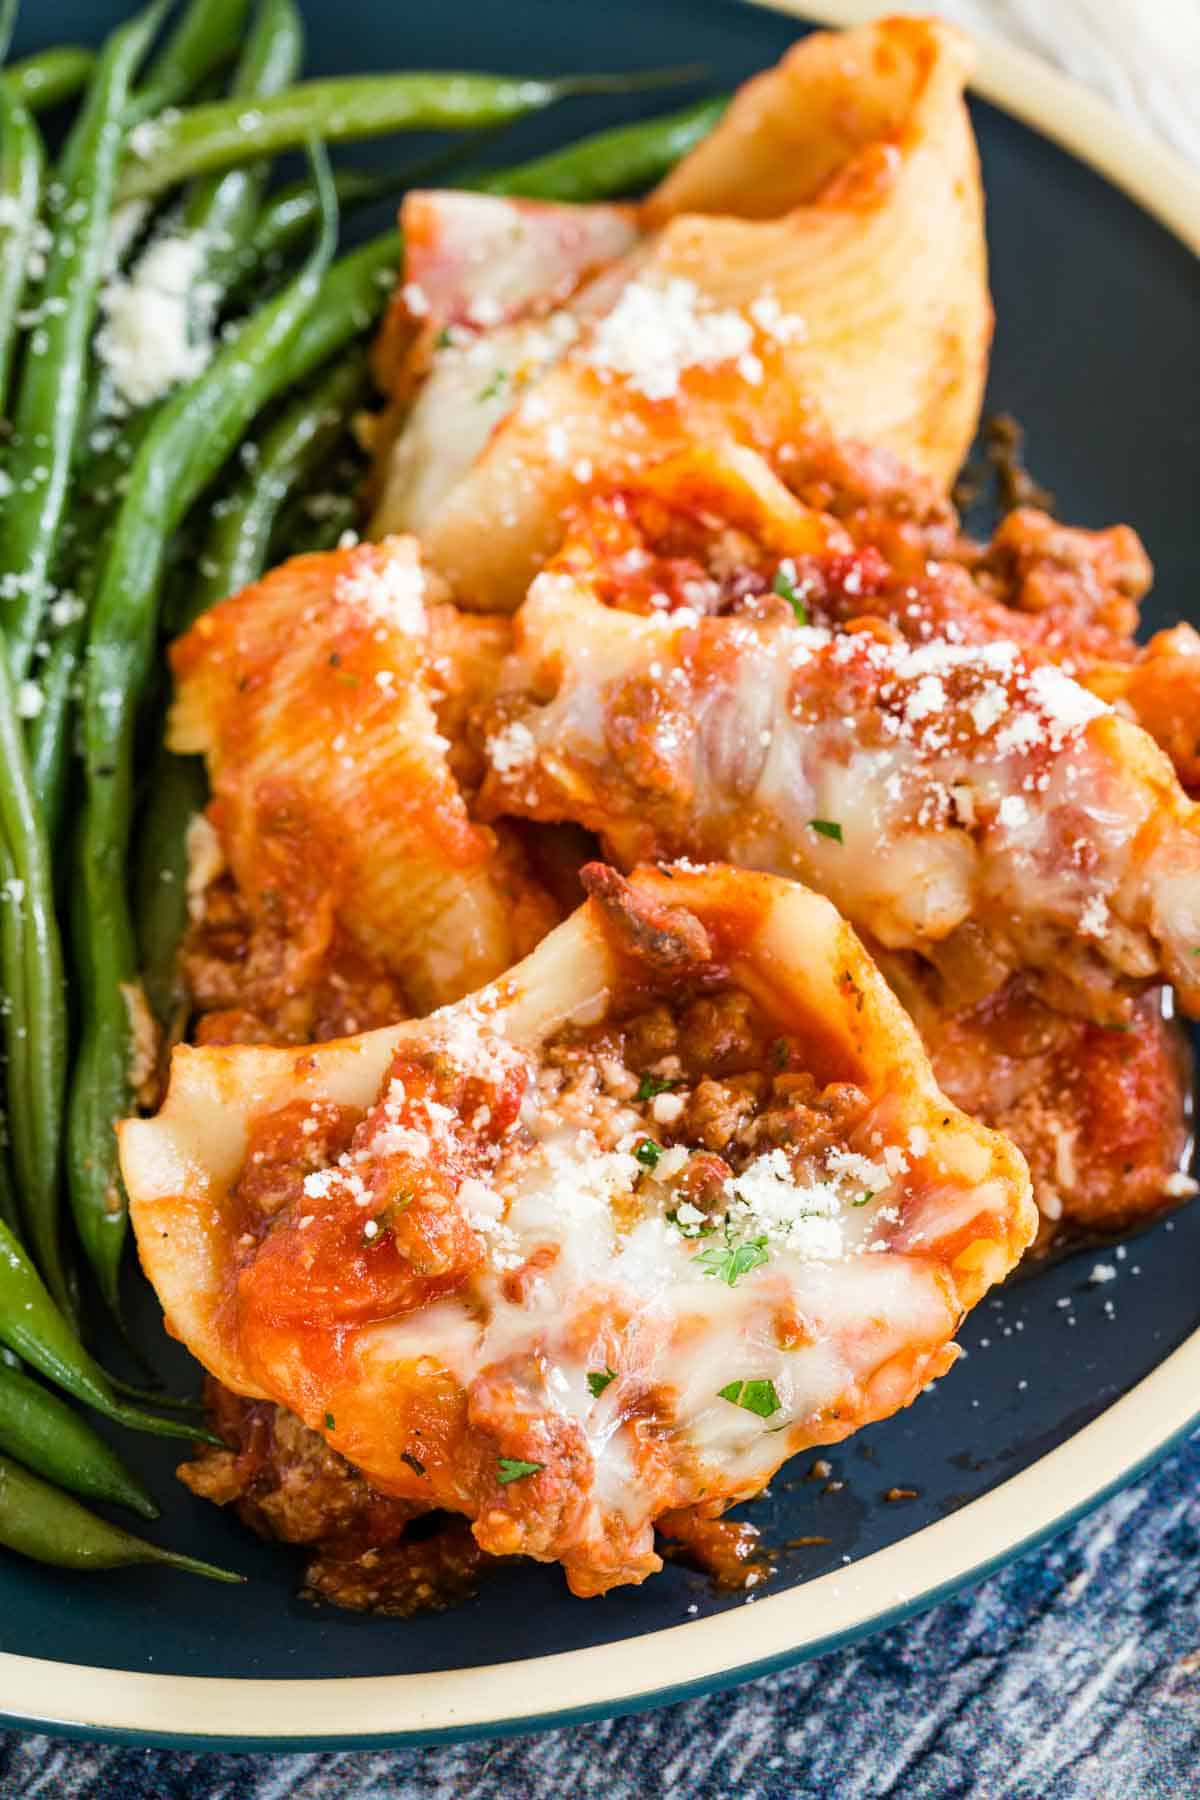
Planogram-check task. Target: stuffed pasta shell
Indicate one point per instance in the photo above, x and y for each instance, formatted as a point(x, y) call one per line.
point(957, 800)
point(314, 696)
point(604, 1243)
point(816, 267)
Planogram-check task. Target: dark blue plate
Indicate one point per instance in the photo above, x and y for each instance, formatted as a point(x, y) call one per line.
point(1098, 353)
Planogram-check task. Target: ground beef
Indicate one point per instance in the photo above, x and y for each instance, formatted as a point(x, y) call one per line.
point(252, 982)
point(711, 1072)
point(650, 1036)
point(370, 1552)
point(702, 1183)
point(803, 1116)
point(722, 1034)
point(423, 1573)
point(717, 1110)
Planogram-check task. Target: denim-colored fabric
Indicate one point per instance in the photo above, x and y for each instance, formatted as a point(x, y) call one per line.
point(1072, 1675)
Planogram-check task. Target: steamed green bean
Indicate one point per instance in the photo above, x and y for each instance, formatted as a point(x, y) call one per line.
point(50, 396)
point(223, 208)
point(49, 1437)
point(227, 132)
point(40, 82)
point(607, 163)
point(34, 1329)
point(189, 441)
point(40, 1522)
point(236, 550)
point(36, 1026)
point(205, 37)
point(21, 160)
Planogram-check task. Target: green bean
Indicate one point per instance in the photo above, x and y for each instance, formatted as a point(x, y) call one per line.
point(222, 210)
point(31, 958)
point(226, 132)
point(51, 392)
point(39, 1522)
point(621, 161)
point(192, 435)
point(33, 1328)
point(43, 80)
point(236, 551)
point(300, 534)
point(50, 735)
point(8, 1199)
point(350, 299)
point(290, 213)
point(206, 36)
point(45, 1434)
point(605, 163)
point(20, 187)
point(218, 214)
point(157, 1396)
point(177, 792)
point(224, 207)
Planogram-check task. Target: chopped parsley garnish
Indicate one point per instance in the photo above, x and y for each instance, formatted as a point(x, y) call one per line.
point(690, 1228)
point(827, 828)
point(650, 1085)
point(754, 1396)
point(729, 1262)
point(443, 340)
point(495, 386)
point(375, 1230)
point(862, 1199)
point(510, 1468)
point(329, 1423)
point(414, 1463)
point(598, 1380)
point(781, 1050)
point(648, 1153)
point(783, 586)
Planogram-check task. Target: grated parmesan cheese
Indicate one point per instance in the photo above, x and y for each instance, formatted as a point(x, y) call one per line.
point(853, 1167)
point(157, 329)
point(30, 700)
point(512, 748)
point(988, 707)
point(773, 322)
point(653, 334)
point(1067, 706)
point(927, 698)
point(1093, 920)
point(776, 1204)
point(392, 594)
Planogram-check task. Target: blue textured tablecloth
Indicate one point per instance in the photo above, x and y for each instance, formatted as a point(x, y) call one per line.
point(1073, 1675)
